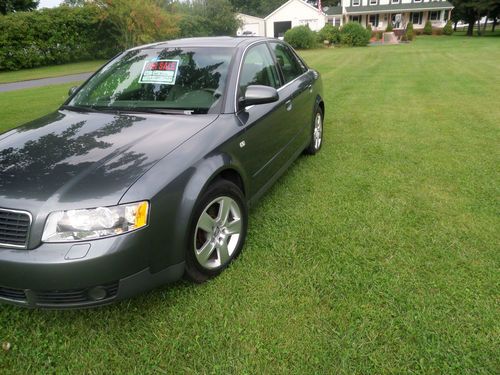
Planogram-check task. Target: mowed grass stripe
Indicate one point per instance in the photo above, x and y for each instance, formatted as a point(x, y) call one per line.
point(378, 255)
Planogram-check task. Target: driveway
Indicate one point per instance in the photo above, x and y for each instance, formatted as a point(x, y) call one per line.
point(5, 87)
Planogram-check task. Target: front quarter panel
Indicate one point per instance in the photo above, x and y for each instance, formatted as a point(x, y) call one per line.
point(174, 184)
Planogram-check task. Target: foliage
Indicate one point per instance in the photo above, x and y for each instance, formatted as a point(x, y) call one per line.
point(470, 11)
point(137, 22)
point(330, 33)
point(204, 17)
point(301, 37)
point(352, 34)
point(448, 29)
point(409, 33)
point(428, 28)
point(9, 6)
point(54, 36)
point(389, 27)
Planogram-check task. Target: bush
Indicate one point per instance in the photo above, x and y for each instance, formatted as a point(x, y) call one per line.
point(389, 27)
point(54, 36)
point(301, 37)
point(448, 29)
point(428, 28)
point(354, 35)
point(330, 33)
point(409, 33)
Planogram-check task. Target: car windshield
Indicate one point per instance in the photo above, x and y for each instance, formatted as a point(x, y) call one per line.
point(186, 80)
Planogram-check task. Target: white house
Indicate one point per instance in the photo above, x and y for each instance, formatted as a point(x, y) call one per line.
point(251, 25)
point(377, 13)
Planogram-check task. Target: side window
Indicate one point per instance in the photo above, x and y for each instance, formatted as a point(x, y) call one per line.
point(290, 65)
point(258, 69)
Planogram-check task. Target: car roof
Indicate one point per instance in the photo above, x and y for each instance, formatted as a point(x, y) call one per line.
point(221, 41)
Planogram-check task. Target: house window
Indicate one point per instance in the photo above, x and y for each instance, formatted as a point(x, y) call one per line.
point(417, 18)
point(434, 15)
point(417, 1)
point(446, 15)
point(334, 21)
point(356, 19)
point(395, 1)
point(355, 3)
point(373, 2)
point(373, 20)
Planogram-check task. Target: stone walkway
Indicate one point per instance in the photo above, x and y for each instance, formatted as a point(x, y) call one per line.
point(5, 87)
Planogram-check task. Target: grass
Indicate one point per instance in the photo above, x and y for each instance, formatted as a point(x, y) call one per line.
point(50, 71)
point(378, 255)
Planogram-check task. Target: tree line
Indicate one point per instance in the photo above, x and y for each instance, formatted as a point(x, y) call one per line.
point(472, 11)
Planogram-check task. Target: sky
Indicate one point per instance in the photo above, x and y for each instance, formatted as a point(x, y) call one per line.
point(49, 3)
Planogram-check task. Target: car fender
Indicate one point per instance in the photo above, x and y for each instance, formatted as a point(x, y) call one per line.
point(173, 195)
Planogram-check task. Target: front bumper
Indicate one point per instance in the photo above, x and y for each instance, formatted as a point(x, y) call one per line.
point(58, 276)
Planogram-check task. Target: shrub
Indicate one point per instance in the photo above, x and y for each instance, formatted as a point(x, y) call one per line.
point(301, 37)
point(428, 28)
point(330, 33)
point(354, 35)
point(448, 29)
point(409, 33)
point(54, 36)
point(389, 27)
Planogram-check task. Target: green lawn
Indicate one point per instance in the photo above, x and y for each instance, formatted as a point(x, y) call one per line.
point(378, 255)
point(50, 71)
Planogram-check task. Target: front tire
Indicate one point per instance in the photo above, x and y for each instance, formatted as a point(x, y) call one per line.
point(217, 232)
point(316, 133)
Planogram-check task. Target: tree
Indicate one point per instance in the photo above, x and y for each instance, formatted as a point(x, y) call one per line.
point(204, 17)
point(138, 22)
point(8, 6)
point(471, 11)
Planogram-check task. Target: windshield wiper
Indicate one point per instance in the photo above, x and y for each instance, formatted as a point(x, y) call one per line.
point(89, 109)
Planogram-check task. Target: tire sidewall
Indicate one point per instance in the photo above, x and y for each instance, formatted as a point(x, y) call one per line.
point(218, 189)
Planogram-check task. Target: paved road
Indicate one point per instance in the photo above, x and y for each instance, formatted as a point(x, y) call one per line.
point(4, 87)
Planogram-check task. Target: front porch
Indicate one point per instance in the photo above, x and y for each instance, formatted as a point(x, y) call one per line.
point(400, 20)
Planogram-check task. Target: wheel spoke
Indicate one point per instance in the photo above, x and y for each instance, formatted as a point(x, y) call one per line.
point(206, 223)
point(223, 253)
point(205, 252)
point(234, 227)
point(224, 210)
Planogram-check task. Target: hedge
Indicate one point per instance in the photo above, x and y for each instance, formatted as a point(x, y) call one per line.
point(301, 37)
point(54, 36)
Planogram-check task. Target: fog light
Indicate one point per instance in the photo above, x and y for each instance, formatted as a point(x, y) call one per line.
point(97, 293)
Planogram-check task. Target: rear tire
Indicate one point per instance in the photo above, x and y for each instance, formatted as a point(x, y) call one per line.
point(316, 133)
point(217, 232)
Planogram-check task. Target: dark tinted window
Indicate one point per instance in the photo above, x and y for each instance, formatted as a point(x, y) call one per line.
point(258, 69)
point(290, 65)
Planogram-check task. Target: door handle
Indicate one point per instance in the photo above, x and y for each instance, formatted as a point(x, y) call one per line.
point(289, 105)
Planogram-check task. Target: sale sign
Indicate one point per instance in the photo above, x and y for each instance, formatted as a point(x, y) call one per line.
point(160, 72)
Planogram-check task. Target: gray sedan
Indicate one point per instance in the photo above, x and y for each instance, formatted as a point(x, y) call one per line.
point(146, 173)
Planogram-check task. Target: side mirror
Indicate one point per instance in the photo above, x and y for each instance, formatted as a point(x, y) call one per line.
point(72, 90)
point(256, 94)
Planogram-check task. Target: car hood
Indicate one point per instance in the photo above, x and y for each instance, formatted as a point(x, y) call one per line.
point(70, 160)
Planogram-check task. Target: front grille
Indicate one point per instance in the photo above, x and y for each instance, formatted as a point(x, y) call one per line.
point(12, 294)
point(64, 297)
point(14, 228)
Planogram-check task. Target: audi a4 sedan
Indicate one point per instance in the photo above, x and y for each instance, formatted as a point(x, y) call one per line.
point(145, 174)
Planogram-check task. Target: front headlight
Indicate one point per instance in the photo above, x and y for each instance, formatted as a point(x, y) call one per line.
point(95, 223)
